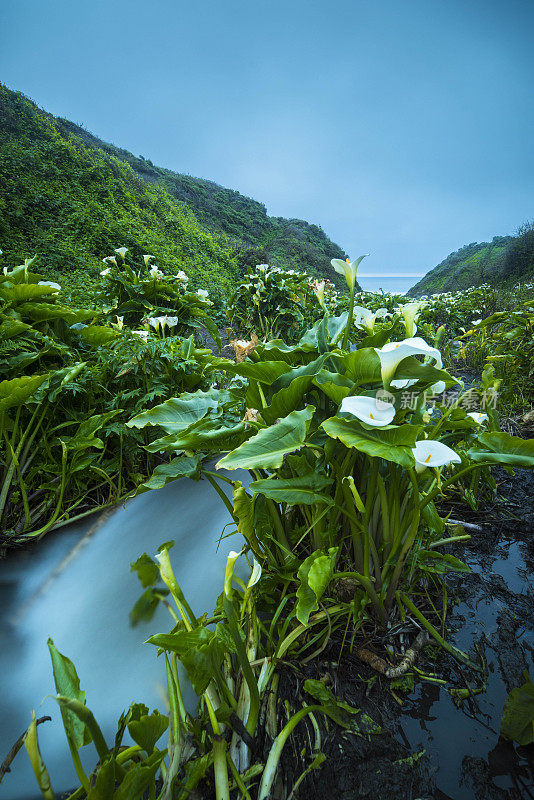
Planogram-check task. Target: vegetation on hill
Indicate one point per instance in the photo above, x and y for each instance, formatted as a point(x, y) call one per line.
point(70, 196)
point(504, 260)
point(259, 237)
point(71, 203)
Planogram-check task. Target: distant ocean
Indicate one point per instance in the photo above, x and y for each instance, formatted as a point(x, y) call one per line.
point(396, 284)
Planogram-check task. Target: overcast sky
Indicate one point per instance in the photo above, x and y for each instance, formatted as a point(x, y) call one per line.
point(403, 127)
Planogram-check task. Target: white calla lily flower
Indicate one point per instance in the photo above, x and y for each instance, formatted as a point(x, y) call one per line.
point(429, 453)
point(106, 271)
point(109, 260)
point(368, 410)
point(121, 251)
point(203, 293)
point(142, 334)
point(364, 318)
point(255, 575)
point(348, 269)
point(155, 273)
point(478, 417)
point(181, 276)
point(229, 573)
point(438, 388)
point(392, 353)
point(146, 258)
point(402, 383)
point(52, 285)
point(410, 312)
point(318, 290)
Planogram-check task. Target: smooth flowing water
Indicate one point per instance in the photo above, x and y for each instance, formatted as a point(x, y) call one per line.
point(76, 586)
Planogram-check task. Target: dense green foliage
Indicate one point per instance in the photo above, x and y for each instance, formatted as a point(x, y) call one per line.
point(71, 379)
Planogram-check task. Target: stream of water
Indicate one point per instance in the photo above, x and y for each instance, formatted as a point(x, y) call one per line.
point(76, 586)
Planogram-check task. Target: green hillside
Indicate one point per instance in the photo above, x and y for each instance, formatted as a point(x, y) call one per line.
point(72, 198)
point(504, 260)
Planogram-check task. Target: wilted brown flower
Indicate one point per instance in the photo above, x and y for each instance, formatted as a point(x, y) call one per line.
point(243, 348)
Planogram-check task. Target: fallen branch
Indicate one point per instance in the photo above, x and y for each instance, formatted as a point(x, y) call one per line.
point(469, 526)
point(6, 763)
point(380, 665)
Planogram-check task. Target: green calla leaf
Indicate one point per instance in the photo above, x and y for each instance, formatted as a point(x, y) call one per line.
point(307, 489)
point(360, 366)
point(15, 392)
point(266, 450)
point(287, 399)
point(393, 444)
point(147, 570)
point(182, 467)
point(68, 685)
point(23, 292)
point(518, 715)
point(97, 335)
point(501, 448)
point(203, 435)
point(440, 563)
point(179, 413)
point(146, 729)
point(314, 574)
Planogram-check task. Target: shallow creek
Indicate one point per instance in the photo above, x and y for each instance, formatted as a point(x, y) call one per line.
point(76, 586)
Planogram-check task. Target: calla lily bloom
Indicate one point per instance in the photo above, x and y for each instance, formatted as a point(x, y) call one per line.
point(229, 573)
point(478, 416)
point(318, 290)
point(410, 312)
point(203, 293)
point(142, 334)
point(155, 273)
point(429, 453)
point(364, 318)
point(438, 388)
point(121, 252)
point(181, 276)
point(52, 285)
point(348, 269)
point(146, 258)
point(402, 383)
point(255, 575)
point(106, 271)
point(368, 410)
point(392, 353)
point(110, 260)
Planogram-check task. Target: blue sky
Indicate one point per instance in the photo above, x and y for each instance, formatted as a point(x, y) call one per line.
point(403, 127)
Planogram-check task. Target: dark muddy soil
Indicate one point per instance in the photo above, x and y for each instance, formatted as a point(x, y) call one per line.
point(427, 746)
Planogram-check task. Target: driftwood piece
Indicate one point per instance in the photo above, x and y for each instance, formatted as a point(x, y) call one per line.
point(380, 665)
point(6, 763)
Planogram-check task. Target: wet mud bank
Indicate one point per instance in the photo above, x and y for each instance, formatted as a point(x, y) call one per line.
point(427, 742)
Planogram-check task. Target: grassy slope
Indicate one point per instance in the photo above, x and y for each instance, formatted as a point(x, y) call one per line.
point(286, 242)
point(73, 205)
point(472, 265)
point(72, 198)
